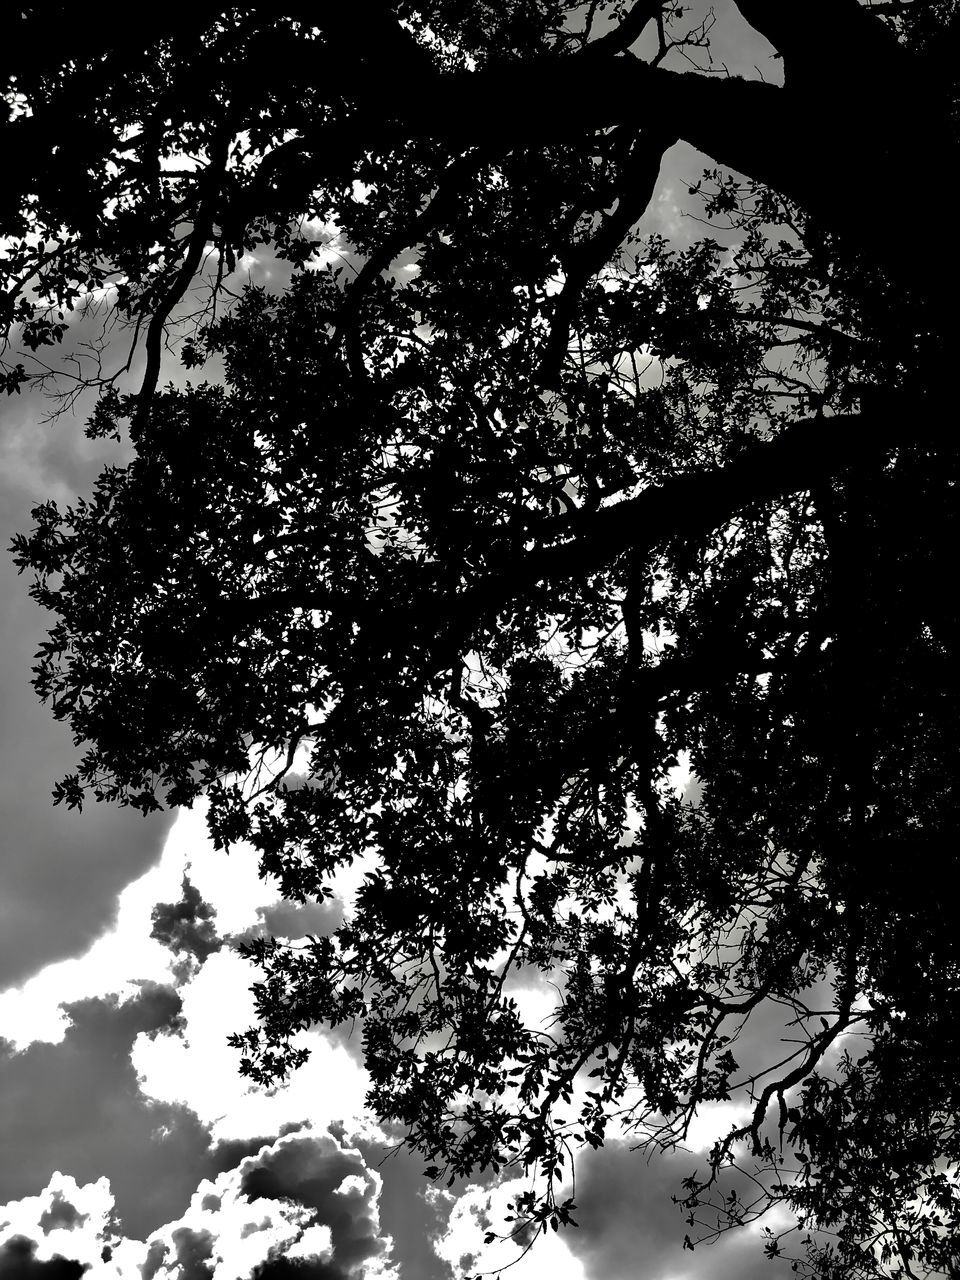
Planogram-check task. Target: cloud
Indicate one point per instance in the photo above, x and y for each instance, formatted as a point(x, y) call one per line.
point(77, 1107)
point(156, 1253)
point(60, 1233)
point(411, 1214)
point(61, 1214)
point(18, 1261)
point(137, 1081)
point(303, 1205)
point(186, 927)
point(336, 1185)
point(286, 1268)
point(476, 1210)
point(629, 1226)
point(291, 920)
point(193, 900)
point(194, 1067)
point(194, 1249)
point(117, 963)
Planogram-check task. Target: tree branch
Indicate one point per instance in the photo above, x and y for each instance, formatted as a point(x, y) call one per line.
point(635, 190)
point(821, 39)
point(799, 143)
point(691, 505)
point(628, 32)
point(439, 619)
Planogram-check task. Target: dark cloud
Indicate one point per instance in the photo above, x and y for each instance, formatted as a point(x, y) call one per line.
point(186, 926)
point(310, 1172)
point(405, 1213)
point(629, 1227)
point(210, 1203)
point(291, 920)
point(76, 1107)
point(228, 1153)
point(18, 1261)
point(61, 1214)
point(284, 1268)
point(251, 1228)
point(156, 1254)
point(194, 1251)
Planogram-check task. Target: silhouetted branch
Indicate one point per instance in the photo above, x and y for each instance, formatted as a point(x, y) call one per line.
point(635, 187)
point(626, 33)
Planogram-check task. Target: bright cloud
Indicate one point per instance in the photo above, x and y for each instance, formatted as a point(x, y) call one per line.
point(196, 1068)
point(478, 1211)
point(126, 955)
point(305, 1197)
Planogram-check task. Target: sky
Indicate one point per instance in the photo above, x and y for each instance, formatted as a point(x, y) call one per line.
point(129, 1144)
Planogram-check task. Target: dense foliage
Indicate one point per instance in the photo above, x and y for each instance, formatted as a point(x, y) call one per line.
point(473, 545)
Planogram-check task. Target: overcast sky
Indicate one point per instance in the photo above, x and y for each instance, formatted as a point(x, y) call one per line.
point(128, 1143)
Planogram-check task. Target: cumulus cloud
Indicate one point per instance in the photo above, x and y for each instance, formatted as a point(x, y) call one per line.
point(335, 1185)
point(411, 1212)
point(194, 1249)
point(195, 899)
point(117, 1061)
point(194, 1067)
point(302, 1205)
point(61, 1213)
point(629, 1226)
point(18, 1261)
point(77, 1107)
point(119, 961)
point(475, 1211)
point(186, 926)
point(59, 1234)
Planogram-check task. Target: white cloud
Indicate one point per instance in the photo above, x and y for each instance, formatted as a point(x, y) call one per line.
point(480, 1210)
point(192, 1065)
point(116, 963)
point(126, 956)
point(305, 1211)
point(37, 1218)
point(195, 1067)
point(198, 1069)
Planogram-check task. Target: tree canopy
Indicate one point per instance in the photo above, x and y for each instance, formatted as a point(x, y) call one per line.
point(446, 565)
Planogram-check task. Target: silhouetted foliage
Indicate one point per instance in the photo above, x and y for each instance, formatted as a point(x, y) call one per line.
point(470, 546)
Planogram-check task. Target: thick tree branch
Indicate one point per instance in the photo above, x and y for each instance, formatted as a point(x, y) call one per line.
point(439, 207)
point(685, 507)
point(196, 244)
point(635, 188)
point(628, 32)
point(690, 506)
point(799, 143)
point(826, 39)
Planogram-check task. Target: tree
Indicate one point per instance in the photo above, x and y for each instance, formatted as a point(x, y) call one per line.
point(453, 566)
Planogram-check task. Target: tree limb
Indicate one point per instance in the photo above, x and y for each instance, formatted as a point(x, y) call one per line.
point(635, 190)
point(628, 32)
